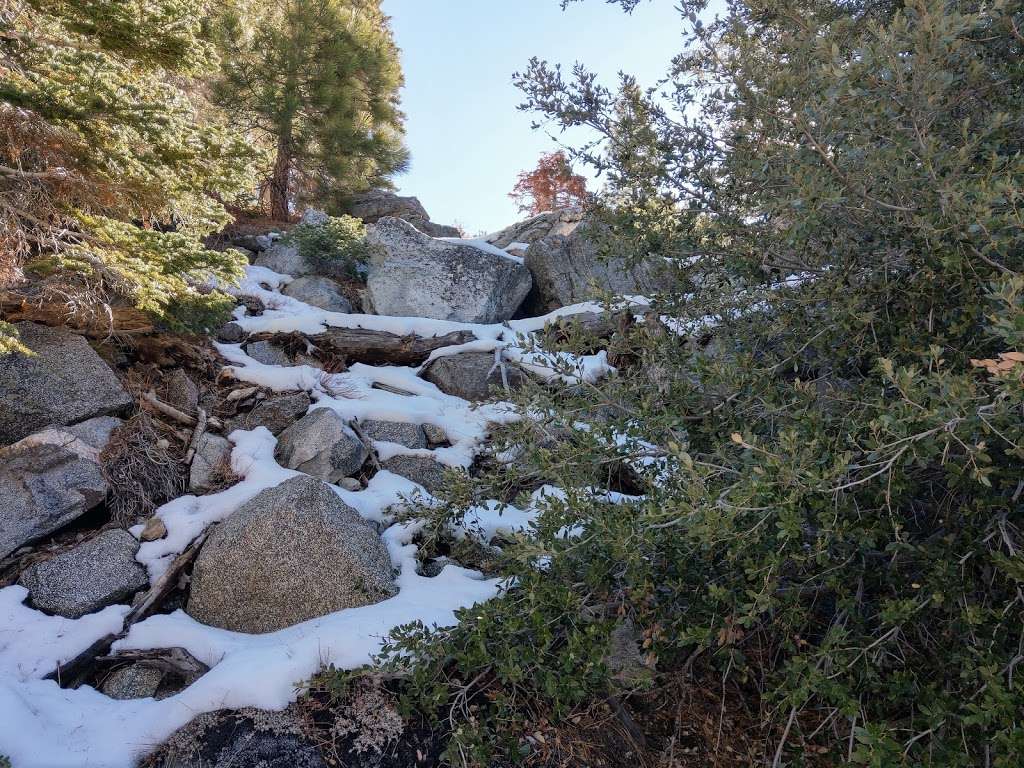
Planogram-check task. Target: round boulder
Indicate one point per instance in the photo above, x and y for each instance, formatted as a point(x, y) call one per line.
point(293, 553)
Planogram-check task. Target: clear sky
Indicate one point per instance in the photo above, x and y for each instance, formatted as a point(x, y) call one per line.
point(467, 139)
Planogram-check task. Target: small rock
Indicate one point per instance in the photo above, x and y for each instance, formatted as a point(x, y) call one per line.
point(64, 382)
point(470, 375)
point(435, 434)
point(181, 392)
point(419, 469)
point(350, 484)
point(292, 553)
point(213, 456)
point(154, 530)
point(267, 353)
point(409, 435)
point(93, 575)
point(285, 259)
point(314, 218)
point(231, 333)
point(134, 681)
point(319, 292)
point(275, 413)
point(321, 444)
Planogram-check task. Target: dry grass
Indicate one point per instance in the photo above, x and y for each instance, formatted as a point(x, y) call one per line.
point(143, 467)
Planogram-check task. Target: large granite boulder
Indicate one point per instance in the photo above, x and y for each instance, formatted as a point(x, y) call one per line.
point(472, 375)
point(49, 479)
point(64, 382)
point(378, 204)
point(319, 292)
point(93, 575)
point(563, 222)
point(412, 274)
point(323, 445)
point(293, 553)
point(284, 258)
point(568, 269)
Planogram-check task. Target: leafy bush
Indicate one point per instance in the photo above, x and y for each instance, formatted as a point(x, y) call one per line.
point(829, 431)
point(337, 245)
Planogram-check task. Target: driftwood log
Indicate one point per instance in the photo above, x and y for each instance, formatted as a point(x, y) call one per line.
point(361, 345)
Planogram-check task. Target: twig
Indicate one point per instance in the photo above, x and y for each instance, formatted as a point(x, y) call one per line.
point(181, 417)
point(197, 434)
point(785, 736)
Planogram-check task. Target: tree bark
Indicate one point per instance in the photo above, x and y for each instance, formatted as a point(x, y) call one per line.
point(360, 345)
point(279, 208)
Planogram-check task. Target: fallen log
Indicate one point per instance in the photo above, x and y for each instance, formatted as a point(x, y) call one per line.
point(174, 661)
point(361, 345)
point(97, 325)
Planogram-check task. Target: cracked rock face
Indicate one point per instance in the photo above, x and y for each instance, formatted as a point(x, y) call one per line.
point(293, 553)
point(321, 444)
point(415, 275)
point(64, 382)
point(93, 575)
point(49, 479)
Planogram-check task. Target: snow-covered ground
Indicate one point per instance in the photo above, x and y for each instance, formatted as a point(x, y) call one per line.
point(45, 726)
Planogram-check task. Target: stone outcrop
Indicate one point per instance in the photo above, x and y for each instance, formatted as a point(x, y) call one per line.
point(64, 382)
point(293, 553)
point(378, 204)
point(568, 269)
point(419, 469)
point(210, 464)
point(93, 575)
point(321, 444)
point(276, 413)
point(412, 274)
point(537, 227)
point(472, 375)
point(319, 292)
point(49, 479)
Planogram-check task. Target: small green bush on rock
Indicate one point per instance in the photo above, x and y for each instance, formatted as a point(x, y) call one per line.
point(337, 245)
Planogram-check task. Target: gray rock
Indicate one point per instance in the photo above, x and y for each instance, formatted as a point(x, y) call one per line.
point(93, 575)
point(285, 259)
point(181, 392)
point(291, 554)
point(252, 243)
point(409, 435)
point(378, 204)
point(350, 484)
point(314, 218)
point(213, 456)
point(319, 292)
point(413, 274)
point(267, 353)
point(245, 738)
point(134, 681)
point(435, 435)
point(64, 382)
point(563, 222)
point(321, 444)
point(470, 377)
point(231, 333)
point(568, 269)
point(275, 413)
point(419, 469)
point(49, 479)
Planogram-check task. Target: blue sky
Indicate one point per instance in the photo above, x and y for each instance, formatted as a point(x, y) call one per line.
point(467, 139)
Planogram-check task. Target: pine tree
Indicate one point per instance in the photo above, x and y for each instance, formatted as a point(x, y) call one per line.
point(550, 186)
point(318, 81)
point(109, 176)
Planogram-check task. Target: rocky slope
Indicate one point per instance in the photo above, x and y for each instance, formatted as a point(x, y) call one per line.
point(284, 554)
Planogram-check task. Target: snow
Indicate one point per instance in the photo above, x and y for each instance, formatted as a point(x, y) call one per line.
point(42, 725)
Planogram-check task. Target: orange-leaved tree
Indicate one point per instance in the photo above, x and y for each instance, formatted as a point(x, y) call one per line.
point(550, 186)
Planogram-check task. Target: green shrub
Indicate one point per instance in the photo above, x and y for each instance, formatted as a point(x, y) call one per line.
point(338, 246)
point(833, 505)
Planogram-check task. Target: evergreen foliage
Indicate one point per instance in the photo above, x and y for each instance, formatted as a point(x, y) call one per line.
point(339, 244)
point(827, 421)
point(110, 168)
point(317, 80)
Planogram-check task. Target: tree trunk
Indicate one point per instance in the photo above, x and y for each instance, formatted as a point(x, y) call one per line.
point(279, 181)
